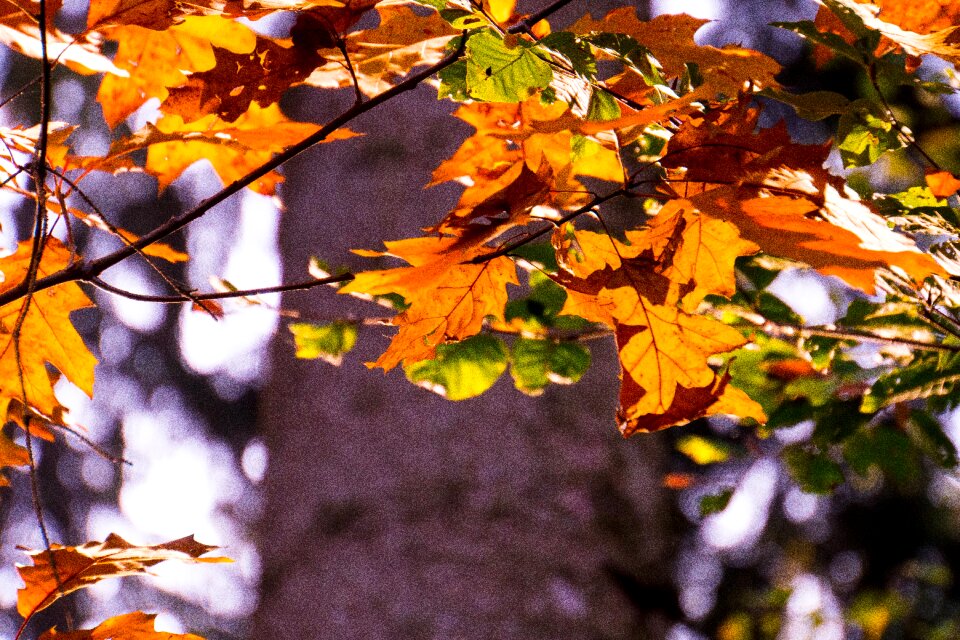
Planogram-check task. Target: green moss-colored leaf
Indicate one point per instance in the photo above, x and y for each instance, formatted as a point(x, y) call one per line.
point(714, 503)
point(537, 363)
point(814, 471)
point(462, 370)
point(327, 342)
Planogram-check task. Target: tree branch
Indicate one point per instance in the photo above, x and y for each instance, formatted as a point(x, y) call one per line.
point(219, 295)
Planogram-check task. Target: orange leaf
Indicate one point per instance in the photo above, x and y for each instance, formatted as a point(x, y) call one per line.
point(47, 335)
point(240, 78)
point(11, 455)
point(448, 299)
point(156, 60)
point(942, 184)
point(87, 564)
point(128, 626)
point(641, 288)
point(234, 149)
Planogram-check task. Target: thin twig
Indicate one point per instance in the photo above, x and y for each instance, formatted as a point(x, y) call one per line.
point(219, 295)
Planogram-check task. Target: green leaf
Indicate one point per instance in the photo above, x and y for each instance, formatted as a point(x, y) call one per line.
point(925, 377)
point(888, 449)
point(927, 433)
point(574, 50)
point(453, 82)
point(537, 363)
point(813, 471)
point(714, 503)
point(864, 134)
point(498, 72)
point(815, 105)
point(460, 19)
point(461, 370)
point(327, 342)
point(436, 4)
point(603, 106)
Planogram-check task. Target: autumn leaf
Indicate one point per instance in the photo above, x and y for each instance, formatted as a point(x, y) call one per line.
point(233, 148)
point(380, 57)
point(157, 60)
point(508, 136)
point(47, 336)
point(238, 79)
point(640, 288)
point(11, 455)
point(20, 30)
point(87, 564)
point(726, 72)
point(780, 197)
point(448, 298)
point(128, 626)
point(942, 184)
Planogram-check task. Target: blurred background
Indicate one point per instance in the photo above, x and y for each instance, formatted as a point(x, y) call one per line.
point(356, 505)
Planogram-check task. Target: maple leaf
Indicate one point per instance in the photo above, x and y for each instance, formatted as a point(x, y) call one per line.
point(448, 298)
point(509, 135)
point(380, 57)
point(85, 565)
point(321, 27)
point(232, 148)
point(128, 626)
point(261, 75)
point(47, 335)
point(641, 288)
point(157, 60)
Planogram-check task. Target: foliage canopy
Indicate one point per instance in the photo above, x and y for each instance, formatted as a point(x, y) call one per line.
point(525, 269)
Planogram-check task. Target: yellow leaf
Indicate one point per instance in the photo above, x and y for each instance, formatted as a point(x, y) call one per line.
point(47, 335)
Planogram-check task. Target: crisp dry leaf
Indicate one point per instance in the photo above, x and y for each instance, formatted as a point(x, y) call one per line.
point(381, 57)
point(87, 564)
point(47, 336)
point(448, 298)
point(152, 14)
point(127, 626)
point(157, 60)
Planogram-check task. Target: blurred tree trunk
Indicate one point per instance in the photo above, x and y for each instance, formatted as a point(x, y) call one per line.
point(393, 513)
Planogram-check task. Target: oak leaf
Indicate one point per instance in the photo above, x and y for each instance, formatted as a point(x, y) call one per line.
point(82, 566)
point(47, 336)
point(127, 626)
point(644, 287)
point(11, 455)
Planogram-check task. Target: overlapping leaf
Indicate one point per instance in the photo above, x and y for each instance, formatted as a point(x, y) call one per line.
point(779, 196)
point(448, 298)
point(380, 57)
point(82, 566)
point(641, 290)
